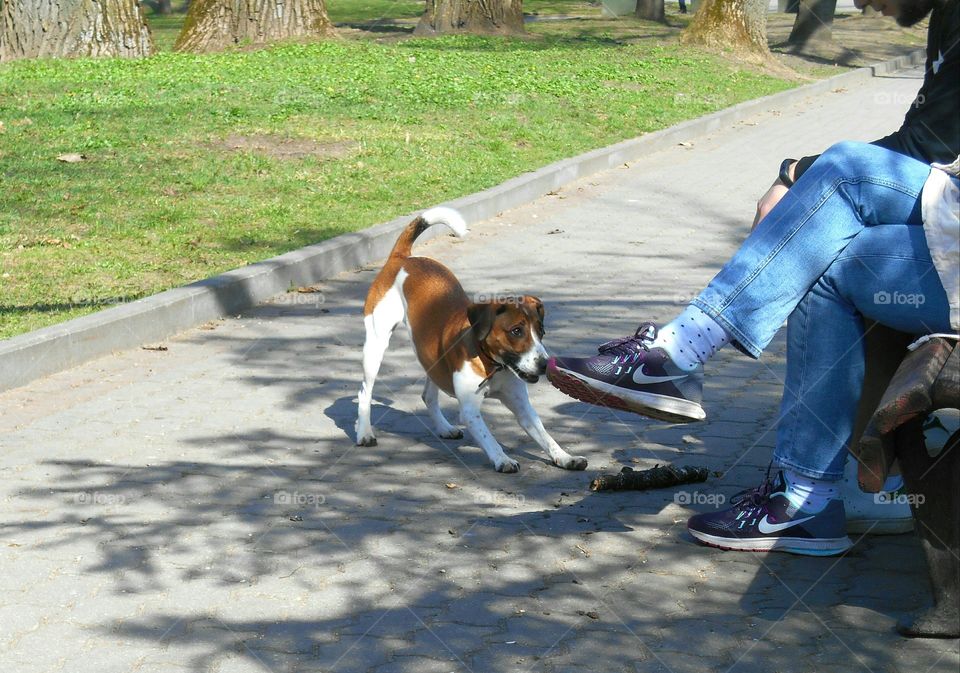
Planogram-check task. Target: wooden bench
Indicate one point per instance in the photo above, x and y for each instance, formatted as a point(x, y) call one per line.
point(923, 381)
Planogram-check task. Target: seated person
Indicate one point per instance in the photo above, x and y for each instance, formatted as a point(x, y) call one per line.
point(864, 232)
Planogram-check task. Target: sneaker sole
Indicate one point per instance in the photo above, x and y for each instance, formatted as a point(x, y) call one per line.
point(879, 526)
point(792, 545)
point(660, 407)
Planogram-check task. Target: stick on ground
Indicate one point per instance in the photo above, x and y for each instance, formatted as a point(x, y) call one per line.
point(658, 476)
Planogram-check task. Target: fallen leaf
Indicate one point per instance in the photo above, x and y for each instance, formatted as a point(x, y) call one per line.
point(71, 158)
point(451, 485)
point(154, 347)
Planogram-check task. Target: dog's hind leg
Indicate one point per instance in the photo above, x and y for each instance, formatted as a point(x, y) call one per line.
point(379, 324)
point(431, 397)
point(513, 393)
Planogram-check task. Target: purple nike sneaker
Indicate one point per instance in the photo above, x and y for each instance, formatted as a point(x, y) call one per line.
point(763, 519)
point(631, 375)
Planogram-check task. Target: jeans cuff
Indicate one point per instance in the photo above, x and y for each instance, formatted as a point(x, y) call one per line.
point(784, 463)
point(737, 338)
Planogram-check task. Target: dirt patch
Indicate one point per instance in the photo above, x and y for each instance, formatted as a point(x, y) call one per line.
point(279, 147)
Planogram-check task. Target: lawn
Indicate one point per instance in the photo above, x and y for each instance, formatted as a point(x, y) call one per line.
point(194, 165)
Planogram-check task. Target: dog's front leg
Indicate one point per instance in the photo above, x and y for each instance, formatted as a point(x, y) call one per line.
point(513, 393)
point(466, 386)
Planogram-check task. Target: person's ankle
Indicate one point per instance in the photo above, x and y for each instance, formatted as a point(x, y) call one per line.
point(692, 338)
point(809, 494)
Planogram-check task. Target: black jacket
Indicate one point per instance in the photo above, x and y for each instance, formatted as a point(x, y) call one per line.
point(931, 127)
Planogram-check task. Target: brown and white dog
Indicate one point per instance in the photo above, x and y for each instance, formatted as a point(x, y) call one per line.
point(469, 350)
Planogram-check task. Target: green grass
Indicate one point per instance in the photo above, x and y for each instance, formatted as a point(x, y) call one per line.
point(161, 200)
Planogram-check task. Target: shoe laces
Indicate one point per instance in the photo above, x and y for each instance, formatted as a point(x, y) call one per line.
point(754, 497)
point(638, 343)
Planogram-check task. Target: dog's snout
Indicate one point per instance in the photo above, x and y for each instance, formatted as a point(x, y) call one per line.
point(541, 364)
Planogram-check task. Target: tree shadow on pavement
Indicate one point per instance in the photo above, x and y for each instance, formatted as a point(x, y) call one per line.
point(228, 521)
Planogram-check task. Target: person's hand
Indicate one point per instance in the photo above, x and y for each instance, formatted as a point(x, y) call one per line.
point(772, 197)
point(768, 201)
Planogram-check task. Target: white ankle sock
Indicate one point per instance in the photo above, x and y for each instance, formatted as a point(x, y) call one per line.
point(812, 495)
point(691, 338)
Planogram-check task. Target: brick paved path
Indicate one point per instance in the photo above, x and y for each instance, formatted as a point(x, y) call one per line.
point(204, 509)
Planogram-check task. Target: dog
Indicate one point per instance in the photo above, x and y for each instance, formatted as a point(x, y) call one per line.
point(469, 350)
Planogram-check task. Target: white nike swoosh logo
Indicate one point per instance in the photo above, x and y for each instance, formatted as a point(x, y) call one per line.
point(640, 377)
point(936, 64)
point(766, 527)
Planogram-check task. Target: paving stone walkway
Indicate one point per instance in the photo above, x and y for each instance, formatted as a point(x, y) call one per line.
point(203, 508)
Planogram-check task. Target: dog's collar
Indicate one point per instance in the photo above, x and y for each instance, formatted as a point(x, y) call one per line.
point(497, 366)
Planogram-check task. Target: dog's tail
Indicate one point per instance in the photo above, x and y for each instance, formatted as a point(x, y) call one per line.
point(439, 215)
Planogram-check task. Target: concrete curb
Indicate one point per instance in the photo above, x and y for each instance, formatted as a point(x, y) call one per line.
point(52, 349)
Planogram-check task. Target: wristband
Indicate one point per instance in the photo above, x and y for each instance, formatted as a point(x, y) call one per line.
point(785, 172)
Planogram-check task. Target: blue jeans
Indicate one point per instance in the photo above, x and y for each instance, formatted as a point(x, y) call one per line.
point(845, 242)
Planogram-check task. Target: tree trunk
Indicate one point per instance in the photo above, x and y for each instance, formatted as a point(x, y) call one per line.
point(41, 28)
point(213, 25)
point(651, 10)
point(471, 16)
point(740, 25)
point(814, 22)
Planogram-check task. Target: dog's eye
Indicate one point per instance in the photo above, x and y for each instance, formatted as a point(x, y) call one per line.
point(516, 332)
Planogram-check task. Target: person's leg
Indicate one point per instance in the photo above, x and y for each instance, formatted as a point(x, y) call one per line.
point(850, 187)
point(886, 274)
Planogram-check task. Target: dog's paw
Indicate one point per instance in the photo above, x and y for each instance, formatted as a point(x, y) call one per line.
point(452, 433)
point(572, 463)
point(508, 465)
point(369, 440)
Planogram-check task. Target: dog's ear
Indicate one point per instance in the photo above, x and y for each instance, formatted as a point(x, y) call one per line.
point(481, 317)
point(536, 305)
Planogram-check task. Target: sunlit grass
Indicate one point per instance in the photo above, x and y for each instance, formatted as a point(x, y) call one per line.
point(167, 194)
